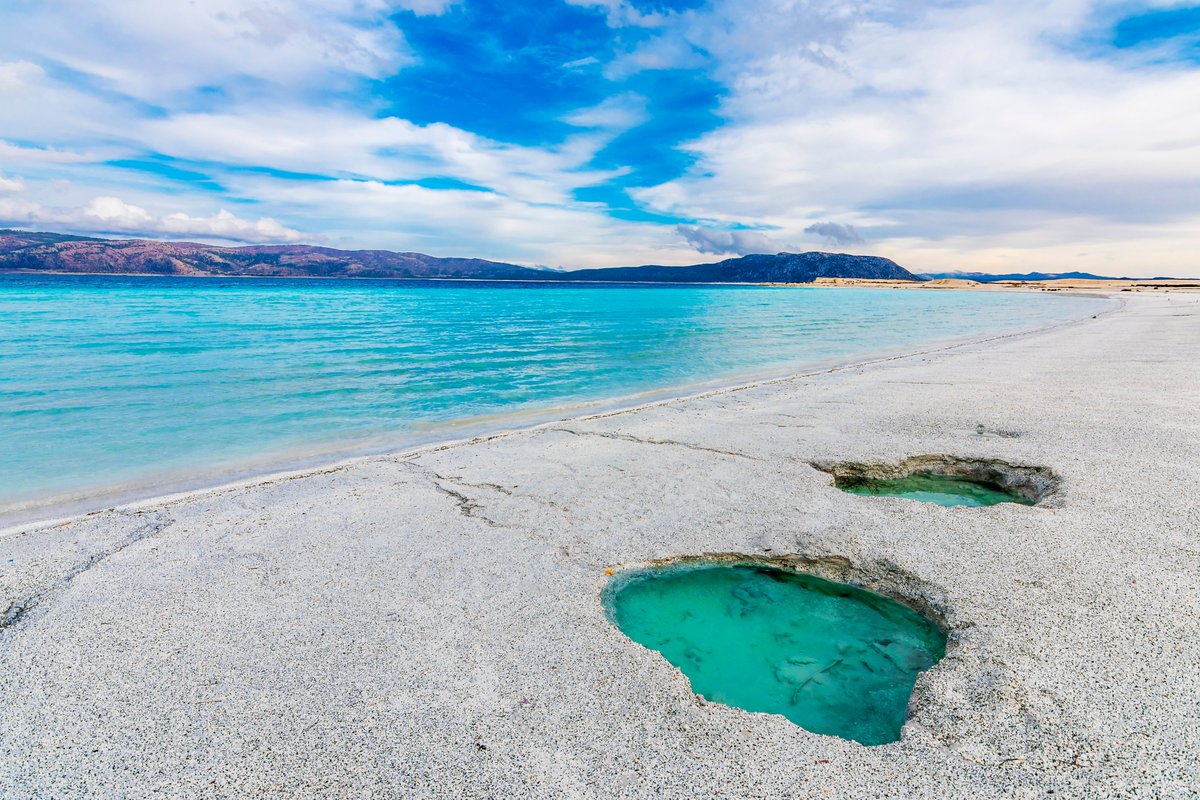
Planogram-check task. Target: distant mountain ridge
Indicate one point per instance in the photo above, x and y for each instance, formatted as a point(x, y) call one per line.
point(22, 251)
point(52, 252)
point(759, 268)
point(985, 277)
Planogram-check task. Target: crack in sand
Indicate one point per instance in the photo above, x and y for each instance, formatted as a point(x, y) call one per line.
point(467, 506)
point(625, 437)
point(18, 610)
point(495, 487)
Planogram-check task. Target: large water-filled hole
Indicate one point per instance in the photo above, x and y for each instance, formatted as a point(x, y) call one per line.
point(946, 480)
point(832, 658)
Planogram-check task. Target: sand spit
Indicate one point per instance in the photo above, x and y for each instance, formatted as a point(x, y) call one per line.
point(429, 625)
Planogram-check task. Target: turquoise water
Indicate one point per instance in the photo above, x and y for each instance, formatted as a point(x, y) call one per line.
point(111, 381)
point(939, 490)
point(832, 658)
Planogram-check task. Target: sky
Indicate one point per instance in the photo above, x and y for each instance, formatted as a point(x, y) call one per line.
point(993, 136)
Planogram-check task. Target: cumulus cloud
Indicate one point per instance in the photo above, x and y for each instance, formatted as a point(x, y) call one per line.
point(14, 184)
point(886, 114)
point(664, 52)
point(835, 233)
point(224, 225)
point(282, 47)
point(116, 213)
point(18, 74)
point(622, 13)
point(732, 242)
point(113, 215)
point(362, 213)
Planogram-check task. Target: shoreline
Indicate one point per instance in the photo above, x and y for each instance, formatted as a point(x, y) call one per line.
point(1077, 286)
point(431, 624)
point(60, 509)
point(957, 284)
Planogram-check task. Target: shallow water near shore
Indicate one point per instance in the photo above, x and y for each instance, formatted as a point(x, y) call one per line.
point(832, 658)
point(113, 381)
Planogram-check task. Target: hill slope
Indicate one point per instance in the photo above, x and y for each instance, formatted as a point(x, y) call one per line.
point(759, 268)
point(43, 252)
point(22, 251)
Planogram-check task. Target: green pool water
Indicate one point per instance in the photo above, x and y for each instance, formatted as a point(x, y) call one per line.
point(832, 658)
point(938, 489)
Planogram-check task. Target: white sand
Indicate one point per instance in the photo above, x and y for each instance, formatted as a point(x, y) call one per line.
point(430, 624)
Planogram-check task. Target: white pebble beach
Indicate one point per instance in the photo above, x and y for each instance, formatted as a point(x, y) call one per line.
point(429, 624)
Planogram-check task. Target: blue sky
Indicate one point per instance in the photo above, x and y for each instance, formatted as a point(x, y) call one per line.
point(998, 136)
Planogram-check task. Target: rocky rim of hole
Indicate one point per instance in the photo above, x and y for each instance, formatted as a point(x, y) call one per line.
point(1039, 485)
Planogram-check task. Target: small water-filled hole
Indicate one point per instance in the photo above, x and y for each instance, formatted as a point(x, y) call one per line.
point(941, 490)
point(832, 658)
point(946, 481)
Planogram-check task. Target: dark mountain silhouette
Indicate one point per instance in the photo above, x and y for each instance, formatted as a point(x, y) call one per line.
point(759, 268)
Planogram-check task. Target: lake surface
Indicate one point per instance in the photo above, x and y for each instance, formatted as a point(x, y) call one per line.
point(112, 383)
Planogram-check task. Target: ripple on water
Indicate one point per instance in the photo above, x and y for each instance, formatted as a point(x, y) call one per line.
point(111, 382)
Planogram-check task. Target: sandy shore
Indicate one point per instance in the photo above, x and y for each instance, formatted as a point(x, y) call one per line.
point(1057, 285)
point(430, 624)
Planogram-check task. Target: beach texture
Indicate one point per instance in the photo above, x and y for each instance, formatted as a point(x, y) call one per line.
point(430, 624)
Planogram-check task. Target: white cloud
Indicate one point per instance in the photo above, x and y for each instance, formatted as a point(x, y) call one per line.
point(263, 62)
point(18, 74)
point(423, 8)
point(117, 214)
point(835, 233)
point(224, 225)
point(944, 133)
point(622, 13)
point(362, 213)
point(586, 61)
point(18, 211)
point(45, 155)
point(735, 242)
point(113, 215)
point(665, 52)
point(619, 112)
point(14, 184)
point(346, 144)
point(234, 45)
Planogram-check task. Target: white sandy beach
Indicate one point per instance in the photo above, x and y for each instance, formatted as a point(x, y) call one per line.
point(429, 624)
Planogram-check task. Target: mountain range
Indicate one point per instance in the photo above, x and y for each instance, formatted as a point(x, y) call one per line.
point(22, 251)
point(986, 277)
